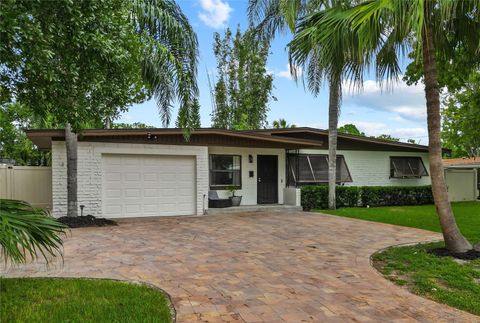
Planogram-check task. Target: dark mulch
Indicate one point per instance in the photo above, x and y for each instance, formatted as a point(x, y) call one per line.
point(443, 252)
point(85, 221)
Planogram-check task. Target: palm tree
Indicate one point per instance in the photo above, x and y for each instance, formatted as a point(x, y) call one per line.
point(169, 67)
point(431, 28)
point(282, 124)
point(26, 230)
point(331, 64)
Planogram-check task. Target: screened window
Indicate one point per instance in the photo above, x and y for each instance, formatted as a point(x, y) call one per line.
point(407, 167)
point(225, 170)
point(313, 169)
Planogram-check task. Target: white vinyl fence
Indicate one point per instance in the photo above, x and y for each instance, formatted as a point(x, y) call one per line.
point(28, 183)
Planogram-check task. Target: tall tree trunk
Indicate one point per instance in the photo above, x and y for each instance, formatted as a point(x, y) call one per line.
point(454, 240)
point(333, 111)
point(71, 145)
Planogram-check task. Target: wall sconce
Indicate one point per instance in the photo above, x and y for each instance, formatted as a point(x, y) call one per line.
point(250, 159)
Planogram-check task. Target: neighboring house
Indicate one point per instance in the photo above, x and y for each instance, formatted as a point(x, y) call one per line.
point(462, 176)
point(155, 172)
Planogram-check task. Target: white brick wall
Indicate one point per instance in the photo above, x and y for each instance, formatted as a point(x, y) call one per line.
point(372, 168)
point(90, 171)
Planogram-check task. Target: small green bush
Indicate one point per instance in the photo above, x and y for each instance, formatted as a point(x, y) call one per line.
point(396, 195)
point(316, 196)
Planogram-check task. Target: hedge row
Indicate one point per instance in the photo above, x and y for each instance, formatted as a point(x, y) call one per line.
point(316, 197)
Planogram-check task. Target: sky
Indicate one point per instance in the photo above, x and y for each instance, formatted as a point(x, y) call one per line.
point(400, 112)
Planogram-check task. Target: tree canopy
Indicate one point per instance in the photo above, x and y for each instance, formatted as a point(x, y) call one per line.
point(73, 61)
point(82, 61)
point(282, 123)
point(350, 129)
point(461, 118)
point(243, 86)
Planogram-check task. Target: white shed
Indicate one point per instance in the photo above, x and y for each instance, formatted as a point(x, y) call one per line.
point(462, 176)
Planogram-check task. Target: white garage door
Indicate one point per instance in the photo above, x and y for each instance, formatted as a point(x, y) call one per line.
point(144, 185)
point(461, 184)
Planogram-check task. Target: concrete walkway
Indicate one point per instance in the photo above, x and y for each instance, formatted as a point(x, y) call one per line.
point(257, 267)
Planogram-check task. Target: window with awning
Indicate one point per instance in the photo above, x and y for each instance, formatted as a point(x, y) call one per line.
point(407, 167)
point(310, 169)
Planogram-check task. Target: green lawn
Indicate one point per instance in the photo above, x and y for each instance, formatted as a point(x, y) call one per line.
point(467, 215)
point(80, 300)
point(439, 278)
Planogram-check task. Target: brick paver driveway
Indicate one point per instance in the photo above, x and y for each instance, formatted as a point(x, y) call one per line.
point(273, 267)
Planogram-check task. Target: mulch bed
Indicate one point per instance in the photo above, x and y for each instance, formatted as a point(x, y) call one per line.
point(85, 221)
point(443, 252)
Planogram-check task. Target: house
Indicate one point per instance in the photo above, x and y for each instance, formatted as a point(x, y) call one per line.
point(155, 172)
point(462, 176)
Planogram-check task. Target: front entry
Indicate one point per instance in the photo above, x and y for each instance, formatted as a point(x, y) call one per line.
point(267, 179)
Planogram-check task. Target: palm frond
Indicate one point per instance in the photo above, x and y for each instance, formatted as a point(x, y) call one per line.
point(170, 60)
point(27, 231)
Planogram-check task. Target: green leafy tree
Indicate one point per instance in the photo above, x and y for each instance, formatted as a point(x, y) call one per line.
point(14, 144)
point(189, 118)
point(411, 141)
point(350, 129)
point(324, 60)
point(134, 125)
point(387, 137)
point(461, 119)
point(83, 61)
point(431, 28)
point(282, 124)
point(459, 80)
point(244, 87)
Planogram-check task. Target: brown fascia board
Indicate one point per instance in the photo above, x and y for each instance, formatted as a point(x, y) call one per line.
point(346, 136)
point(43, 137)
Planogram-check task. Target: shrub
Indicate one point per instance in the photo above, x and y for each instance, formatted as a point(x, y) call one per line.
point(316, 197)
point(396, 195)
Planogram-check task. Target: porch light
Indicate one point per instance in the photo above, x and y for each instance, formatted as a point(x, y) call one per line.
point(250, 159)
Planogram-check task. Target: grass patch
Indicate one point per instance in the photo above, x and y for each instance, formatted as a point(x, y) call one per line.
point(424, 217)
point(441, 279)
point(80, 300)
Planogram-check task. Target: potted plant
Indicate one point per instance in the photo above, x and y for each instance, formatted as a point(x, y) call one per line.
point(236, 200)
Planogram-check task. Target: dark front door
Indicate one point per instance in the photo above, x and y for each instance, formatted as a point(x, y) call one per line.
point(267, 179)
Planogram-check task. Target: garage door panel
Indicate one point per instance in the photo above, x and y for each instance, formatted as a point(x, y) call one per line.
point(113, 193)
point(150, 177)
point(113, 177)
point(114, 209)
point(133, 192)
point(143, 185)
point(132, 177)
point(150, 192)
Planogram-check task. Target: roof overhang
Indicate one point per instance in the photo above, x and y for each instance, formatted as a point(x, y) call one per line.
point(358, 139)
point(43, 138)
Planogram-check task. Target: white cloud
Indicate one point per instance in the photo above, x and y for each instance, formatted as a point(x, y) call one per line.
point(370, 128)
point(287, 72)
point(405, 102)
point(215, 13)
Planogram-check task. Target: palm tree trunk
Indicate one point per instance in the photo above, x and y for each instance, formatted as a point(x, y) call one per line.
point(71, 145)
point(333, 111)
point(454, 240)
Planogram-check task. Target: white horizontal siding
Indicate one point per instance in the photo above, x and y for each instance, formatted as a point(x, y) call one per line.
point(372, 168)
